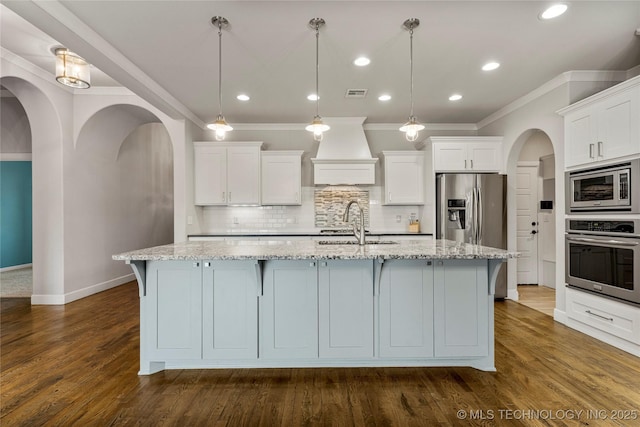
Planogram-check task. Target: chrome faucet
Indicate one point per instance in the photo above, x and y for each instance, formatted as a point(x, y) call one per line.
point(345, 217)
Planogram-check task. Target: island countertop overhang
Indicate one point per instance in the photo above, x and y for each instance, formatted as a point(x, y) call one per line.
point(295, 250)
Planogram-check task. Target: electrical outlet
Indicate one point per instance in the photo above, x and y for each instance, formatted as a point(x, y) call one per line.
point(235, 220)
point(398, 218)
point(189, 220)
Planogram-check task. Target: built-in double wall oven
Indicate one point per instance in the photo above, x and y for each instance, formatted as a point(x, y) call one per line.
point(603, 257)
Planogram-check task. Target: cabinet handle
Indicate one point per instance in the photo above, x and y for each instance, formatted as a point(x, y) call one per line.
point(389, 195)
point(207, 264)
point(312, 264)
point(223, 197)
point(471, 161)
point(610, 319)
point(297, 197)
point(229, 195)
point(591, 151)
point(600, 147)
point(196, 264)
point(323, 264)
point(465, 163)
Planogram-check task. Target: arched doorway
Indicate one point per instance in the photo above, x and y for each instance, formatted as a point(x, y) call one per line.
point(533, 184)
point(16, 275)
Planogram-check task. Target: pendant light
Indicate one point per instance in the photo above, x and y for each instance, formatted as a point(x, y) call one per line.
point(412, 127)
point(71, 70)
point(220, 126)
point(317, 126)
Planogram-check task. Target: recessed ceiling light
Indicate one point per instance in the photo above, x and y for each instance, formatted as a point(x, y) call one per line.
point(362, 61)
point(455, 97)
point(384, 97)
point(490, 66)
point(553, 11)
point(313, 97)
point(243, 97)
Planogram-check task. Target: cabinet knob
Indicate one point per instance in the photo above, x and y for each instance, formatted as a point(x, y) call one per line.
point(196, 264)
point(207, 264)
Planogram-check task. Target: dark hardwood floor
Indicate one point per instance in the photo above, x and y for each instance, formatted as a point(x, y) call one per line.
point(77, 365)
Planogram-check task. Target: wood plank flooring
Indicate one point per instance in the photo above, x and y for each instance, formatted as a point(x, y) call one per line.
point(77, 365)
point(539, 298)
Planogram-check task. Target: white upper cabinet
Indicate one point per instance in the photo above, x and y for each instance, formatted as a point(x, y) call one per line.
point(403, 177)
point(466, 154)
point(227, 173)
point(281, 177)
point(604, 126)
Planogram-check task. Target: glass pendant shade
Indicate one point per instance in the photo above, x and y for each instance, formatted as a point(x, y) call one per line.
point(220, 126)
point(317, 126)
point(72, 70)
point(411, 129)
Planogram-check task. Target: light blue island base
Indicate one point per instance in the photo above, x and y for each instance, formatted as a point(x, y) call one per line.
point(221, 305)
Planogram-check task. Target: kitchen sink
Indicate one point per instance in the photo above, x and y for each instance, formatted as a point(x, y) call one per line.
point(354, 242)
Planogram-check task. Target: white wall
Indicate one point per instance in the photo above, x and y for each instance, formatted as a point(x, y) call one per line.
point(15, 132)
point(84, 186)
point(537, 146)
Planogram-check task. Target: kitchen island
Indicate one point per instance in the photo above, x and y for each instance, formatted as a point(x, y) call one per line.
point(231, 304)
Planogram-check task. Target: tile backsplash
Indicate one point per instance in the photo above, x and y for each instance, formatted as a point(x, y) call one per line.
point(330, 203)
point(303, 218)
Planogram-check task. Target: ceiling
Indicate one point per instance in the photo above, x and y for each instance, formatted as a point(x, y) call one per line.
point(167, 52)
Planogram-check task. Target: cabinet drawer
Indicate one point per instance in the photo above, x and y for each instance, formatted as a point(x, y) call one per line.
point(615, 318)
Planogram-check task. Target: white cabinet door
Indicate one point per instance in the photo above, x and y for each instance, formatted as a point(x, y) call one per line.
point(173, 310)
point(210, 179)
point(243, 175)
point(403, 178)
point(580, 135)
point(450, 156)
point(281, 178)
point(230, 310)
point(484, 157)
point(406, 309)
point(345, 309)
point(619, 126)
point(289, 310)
point(461, 301)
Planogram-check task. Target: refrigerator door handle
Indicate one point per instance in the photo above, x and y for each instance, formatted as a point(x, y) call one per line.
point(474, 213)
point(480, 219)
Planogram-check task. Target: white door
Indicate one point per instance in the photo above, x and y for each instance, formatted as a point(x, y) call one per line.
point(527, 223)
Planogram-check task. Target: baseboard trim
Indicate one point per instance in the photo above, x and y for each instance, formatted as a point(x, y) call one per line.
point(512, 294)
point(81, 293)
point(15, 267)
point(560, 316)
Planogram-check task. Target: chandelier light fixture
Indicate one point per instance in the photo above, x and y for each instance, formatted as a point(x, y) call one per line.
point(412, 127)
point(71, 70)
point(220, 125)
point(317, 126)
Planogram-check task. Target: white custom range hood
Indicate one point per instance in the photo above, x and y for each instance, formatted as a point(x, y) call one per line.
point(343, 155)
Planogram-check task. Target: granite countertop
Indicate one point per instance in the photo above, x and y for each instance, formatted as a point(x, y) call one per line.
point(292, 250)
point(314, 232)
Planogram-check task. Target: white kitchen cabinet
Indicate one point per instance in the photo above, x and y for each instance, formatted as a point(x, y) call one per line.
point(345, 304)
point(403, 177)
point(173, 310)
point(289, 310)
point(461, 320)
point(281, 177)
point(210, 181)
point(230, 291)
point(466, 154)
point(604, 126)
point(406, 309)
point(227, 173)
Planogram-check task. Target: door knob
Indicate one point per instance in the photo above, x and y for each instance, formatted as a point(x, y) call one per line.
point(534, 232)
point(534, 223)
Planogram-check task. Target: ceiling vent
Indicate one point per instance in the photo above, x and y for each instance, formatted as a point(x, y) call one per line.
point(356, 93)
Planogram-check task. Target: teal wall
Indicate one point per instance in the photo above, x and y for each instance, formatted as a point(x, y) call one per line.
point(15, 213)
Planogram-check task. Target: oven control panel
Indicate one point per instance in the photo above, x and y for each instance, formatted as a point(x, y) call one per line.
point(629, 227)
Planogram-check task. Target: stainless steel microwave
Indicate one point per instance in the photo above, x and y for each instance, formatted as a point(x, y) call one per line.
point(611, 188)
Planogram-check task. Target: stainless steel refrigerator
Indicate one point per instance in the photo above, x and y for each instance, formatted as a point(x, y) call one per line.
point(471, 208)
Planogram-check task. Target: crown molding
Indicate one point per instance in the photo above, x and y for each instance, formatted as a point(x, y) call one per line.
point(427, 126)
point(564, 78)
